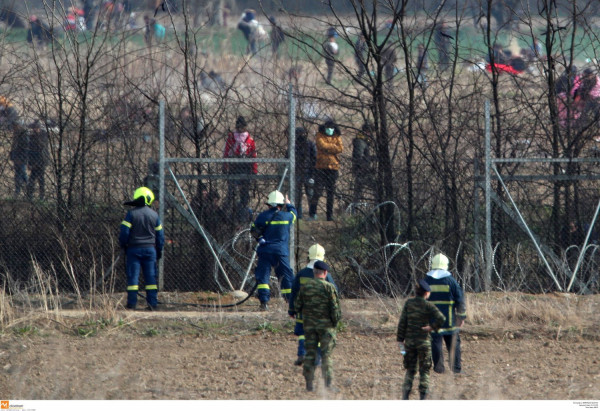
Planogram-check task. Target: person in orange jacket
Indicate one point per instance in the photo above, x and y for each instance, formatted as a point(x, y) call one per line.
point(329, 147)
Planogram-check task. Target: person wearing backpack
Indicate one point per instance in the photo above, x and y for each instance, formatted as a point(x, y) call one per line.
point(239, 144)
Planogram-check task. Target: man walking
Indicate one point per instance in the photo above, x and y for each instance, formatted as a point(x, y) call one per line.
point(142, 238)
point(319, 305)
point(272, 231)
point(419, 317)
point(448, 297)
point(316, 252)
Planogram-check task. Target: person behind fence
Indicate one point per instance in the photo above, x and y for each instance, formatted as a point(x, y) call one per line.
point(422, 65)
point(239, 144)
point(38, 158)
point(316, 252)
point(361, 160)
point(19, 155)
point(248, 25)
point(38, 31)
point(272, 230)
point(361, 55)
point(447, 295)
point(329, 148)
point(419, 317)
point(442, 43)
point(319, 305)
point(277, 36)
point(331, 49)
point(306, 159)
point(142, 239)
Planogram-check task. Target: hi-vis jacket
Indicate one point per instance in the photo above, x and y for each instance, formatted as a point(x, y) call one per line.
point(276, 230)
point(448, 297)
point(141, 228)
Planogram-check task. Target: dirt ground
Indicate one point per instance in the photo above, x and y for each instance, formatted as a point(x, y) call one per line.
point(246, 354)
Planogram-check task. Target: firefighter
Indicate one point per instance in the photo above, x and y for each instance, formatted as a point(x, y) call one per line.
point(142, 239)
point(447, 295)
point(272, 231)
point(316, 252)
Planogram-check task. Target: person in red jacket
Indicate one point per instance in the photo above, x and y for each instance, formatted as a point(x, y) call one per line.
point(239, 144)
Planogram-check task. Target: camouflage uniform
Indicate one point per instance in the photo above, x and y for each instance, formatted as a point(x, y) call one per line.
point(417, 313)
point(319, 305)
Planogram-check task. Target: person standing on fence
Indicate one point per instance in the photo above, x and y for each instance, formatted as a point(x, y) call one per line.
point(447, 295)
point(142, 239)
point(361, 161)
point(19, 155)
point(419, 317)
point(239, 144)
point(329, 147)
point(39, 157)
point(319, 305)
point(316, 252)
point(272, 231)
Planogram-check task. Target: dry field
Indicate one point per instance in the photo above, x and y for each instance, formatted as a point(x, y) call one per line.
point(515, 347)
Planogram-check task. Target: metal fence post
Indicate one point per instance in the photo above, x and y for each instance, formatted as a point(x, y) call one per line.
point(161, 184)
point(488, 203)
point(292, 168)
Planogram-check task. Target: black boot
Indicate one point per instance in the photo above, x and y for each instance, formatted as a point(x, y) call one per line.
point(330, 386)
point(309, 386)
point(405, 394)
point(422, 395)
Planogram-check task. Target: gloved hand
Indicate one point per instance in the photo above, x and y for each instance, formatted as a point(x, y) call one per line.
point(158, 254)
point(292, 314)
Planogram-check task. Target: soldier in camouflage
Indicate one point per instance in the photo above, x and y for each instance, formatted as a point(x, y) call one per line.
point(319, 305)
point(419, 317)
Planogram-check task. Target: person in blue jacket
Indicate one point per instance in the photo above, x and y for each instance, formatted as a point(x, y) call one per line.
point(142, 239)
point(272, 231)
point(448, 297)
point(316, 252)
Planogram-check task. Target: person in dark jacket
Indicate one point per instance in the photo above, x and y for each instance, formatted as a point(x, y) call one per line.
point(316, 252)
point(419, 317)
point(422, 65)
point(448, 297)
point(142, 239)
point(19, 155)
point(329, 147)
point(277, 36)
point(272, 231)
point(361, 160)
point(39, 156)
point(38, 30)
point(306, 159)
point(360, 55)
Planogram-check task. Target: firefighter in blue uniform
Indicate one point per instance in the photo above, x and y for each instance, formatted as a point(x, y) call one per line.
point(448, 297)
point(316, 252)
point(143, 239)
point(272, 231)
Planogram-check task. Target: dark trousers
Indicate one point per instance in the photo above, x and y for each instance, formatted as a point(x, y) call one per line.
point(37, 175)
point(330, 66)
point(324, 179)
point(452, 342)
point(20, 176)
point(143, 258)
point(301, 188)
point(283, 271)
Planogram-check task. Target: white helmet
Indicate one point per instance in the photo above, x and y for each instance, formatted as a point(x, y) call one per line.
point(439, 262)
point(316, 252)
point(275, 198)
